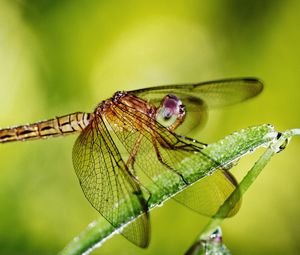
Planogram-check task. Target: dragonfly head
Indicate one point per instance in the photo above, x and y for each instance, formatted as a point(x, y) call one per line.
point(171, 112)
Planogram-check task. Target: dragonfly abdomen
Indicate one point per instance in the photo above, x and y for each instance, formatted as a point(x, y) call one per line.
point(48, 128)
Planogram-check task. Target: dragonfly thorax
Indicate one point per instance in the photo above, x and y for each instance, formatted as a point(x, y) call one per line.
point(127, 102)
point(106, 104)
point(118, 95)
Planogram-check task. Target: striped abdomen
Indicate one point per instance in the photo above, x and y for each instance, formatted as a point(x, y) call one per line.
point(54, 127)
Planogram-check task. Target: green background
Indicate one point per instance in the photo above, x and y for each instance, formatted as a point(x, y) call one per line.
point(59, 57)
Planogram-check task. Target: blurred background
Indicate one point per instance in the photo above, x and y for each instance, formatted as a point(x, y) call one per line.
point(59, 57)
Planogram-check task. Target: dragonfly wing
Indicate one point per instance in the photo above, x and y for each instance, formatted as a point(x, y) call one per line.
point(214, 94)
point(153, 151)
point(202, 96)
point(107, 183)
point(208, 194)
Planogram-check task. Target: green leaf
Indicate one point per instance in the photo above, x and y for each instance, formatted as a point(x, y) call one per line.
point(225, 151)
point(208, 242)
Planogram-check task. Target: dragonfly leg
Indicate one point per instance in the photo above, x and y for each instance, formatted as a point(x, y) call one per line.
point(192, 140)
point(199, 149)
point(131, 159)
point(164, 163)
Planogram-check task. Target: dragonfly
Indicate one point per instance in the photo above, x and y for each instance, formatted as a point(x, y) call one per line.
point(129, 140)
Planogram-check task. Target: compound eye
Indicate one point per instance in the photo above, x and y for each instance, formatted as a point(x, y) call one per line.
point(166, 113)
point(165, 117)
point(170, 111)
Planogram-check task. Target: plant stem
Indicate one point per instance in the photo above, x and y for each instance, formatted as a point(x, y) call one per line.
point(196, 166)
point(274, 147)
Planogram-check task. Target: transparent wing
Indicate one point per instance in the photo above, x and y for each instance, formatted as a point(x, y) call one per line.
point(154, 152)
point(199, 97)
point(214, 94)
point(208, 194)
point(107, 183)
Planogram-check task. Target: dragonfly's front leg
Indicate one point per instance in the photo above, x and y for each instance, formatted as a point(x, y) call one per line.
point(130, 165)
point(131, 159)
point(160, 159)
point(193, 141)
